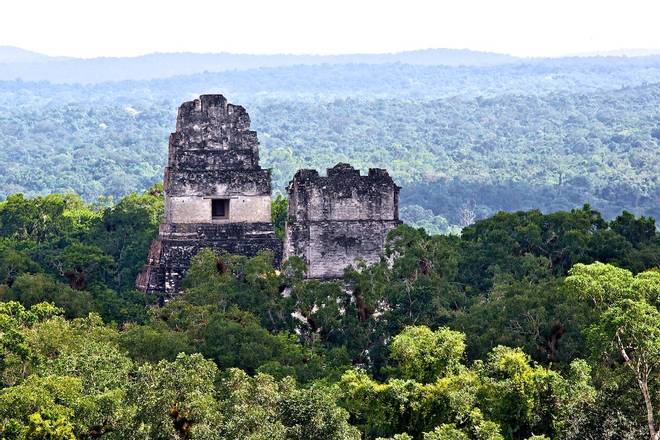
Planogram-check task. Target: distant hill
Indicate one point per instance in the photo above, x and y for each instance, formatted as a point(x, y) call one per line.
point(10, 54)
point(621, 53)
point(21, 64)
point(338, 81)
point(163, 65)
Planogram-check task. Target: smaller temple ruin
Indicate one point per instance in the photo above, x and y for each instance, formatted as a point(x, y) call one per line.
point(337, 219)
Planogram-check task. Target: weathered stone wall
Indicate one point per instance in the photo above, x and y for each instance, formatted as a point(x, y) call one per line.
point(217, 182)
point(211, 133)
point(212, 155)
point(170, 254)
point(335, 219)
point(243, 208)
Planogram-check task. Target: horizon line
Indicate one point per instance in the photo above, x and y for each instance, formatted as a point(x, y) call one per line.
point(619, 52)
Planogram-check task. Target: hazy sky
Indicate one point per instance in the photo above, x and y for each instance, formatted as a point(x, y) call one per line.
point(88, 28)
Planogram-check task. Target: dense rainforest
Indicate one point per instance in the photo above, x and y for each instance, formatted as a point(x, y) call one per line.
point(525, 326)
point(504, 307)
point(464, 141)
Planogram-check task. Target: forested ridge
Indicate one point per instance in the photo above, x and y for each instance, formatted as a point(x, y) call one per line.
point(509, 152)
point(17, 63)
point(331, 81)
point(526, 326)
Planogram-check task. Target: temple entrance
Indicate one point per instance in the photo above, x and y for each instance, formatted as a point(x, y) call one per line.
point(220, 209)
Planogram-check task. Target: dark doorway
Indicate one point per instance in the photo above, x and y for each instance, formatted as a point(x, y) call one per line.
point(219, 209)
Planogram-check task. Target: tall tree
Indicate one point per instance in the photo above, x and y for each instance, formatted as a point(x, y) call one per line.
point(627, 329)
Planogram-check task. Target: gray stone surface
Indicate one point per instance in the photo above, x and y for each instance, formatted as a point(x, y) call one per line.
point(170, 254)
point(212, 155)
point(336, 219)
point(333, 220)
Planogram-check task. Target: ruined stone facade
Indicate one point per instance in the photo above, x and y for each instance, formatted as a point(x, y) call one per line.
point(336, 219)
point(216, 194)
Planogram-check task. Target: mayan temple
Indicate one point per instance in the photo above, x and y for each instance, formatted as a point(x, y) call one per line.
point(339, 218)
point(218, 197)
point(216, 194)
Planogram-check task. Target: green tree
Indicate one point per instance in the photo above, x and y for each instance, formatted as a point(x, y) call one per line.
point(425, 355)
point(126, 231)
point(13, 262)
point(82, 264)
point(174, 400)
point(279, 213)
point(261, 407)
point(40, 408)
point(31, 289)
point(627, 329)
point(15, 351)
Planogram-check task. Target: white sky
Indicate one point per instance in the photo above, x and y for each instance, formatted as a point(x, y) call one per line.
point(88, 28)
